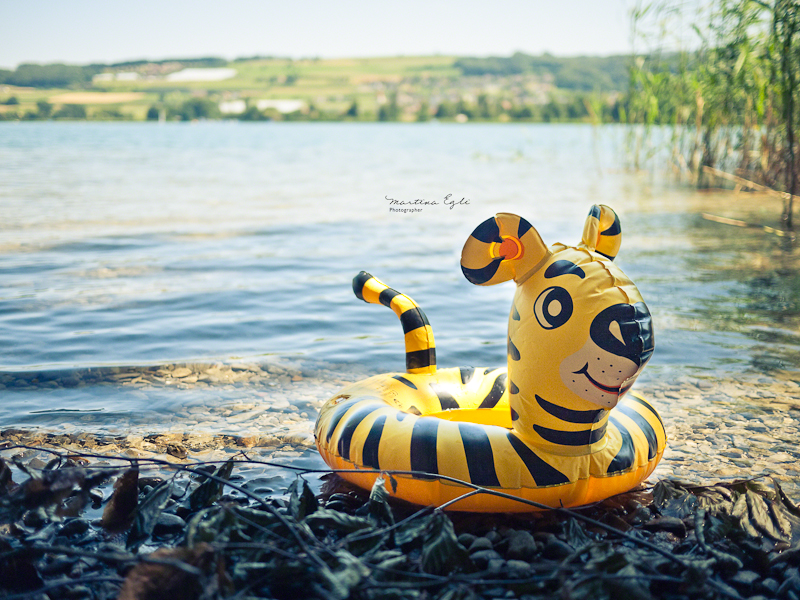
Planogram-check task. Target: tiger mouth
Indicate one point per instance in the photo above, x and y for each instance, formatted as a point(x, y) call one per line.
point(616, 390)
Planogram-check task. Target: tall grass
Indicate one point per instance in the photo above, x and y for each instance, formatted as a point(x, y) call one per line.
point(725, 77)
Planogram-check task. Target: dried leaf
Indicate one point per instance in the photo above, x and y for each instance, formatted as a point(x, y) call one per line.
point(663, 491)
point(413, 530)
point(761, 517)
point(790, 506)
point(350, 573)
point(576, 534)
point(333, 519)
point(164, 579)
point(302, 501)
point(49, 488)
point(211, 489)
point(121, 507)
point(147, 514)
point(442, 554)
point(673, 500)
point(379, 507)
point(6, 483)
point(782, 519)
point(739, 507)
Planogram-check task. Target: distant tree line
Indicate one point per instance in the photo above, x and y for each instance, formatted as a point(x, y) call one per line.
point(581, 73)
point(50, 76)
point(69, 112)
point(58, 75)
point(205, 62)
point(593, 108)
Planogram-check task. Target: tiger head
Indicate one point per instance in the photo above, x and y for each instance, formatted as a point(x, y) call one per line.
point(579, 332)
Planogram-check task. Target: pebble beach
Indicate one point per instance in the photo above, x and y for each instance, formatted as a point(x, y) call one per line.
point(718, 430)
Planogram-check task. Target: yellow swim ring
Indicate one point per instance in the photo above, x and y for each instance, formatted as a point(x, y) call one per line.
point(555, 426)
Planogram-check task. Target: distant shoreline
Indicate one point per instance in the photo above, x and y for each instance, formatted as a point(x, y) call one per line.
point(519, 88)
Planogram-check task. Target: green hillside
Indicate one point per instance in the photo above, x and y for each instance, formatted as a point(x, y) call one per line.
point(407, 88)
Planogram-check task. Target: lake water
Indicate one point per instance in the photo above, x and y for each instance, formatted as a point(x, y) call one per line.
point(180, 288)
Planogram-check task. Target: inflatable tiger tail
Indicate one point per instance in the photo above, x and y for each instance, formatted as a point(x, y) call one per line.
point(420, 347)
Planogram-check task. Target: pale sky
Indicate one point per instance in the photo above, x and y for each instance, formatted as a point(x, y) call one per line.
point(107, 31)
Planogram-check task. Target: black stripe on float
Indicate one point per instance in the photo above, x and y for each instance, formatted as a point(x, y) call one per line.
point(349, 427)
point(466, 374)
point(569, 415)
point(404, 381)
point(387, 295)
point(594, 211)
point(338, 413)
point(413, 319)
point(480, 458)
point(420, 358)
point(446, 399)
point(570, 438)
point(542, 473)
point(644, 425)
point(614, 229)
point(624, 458)
point(514, 313)
point(494, 395)
point(648, 407)
point(564, 267)
point(482, 275)
point(523, 228)
point(370, 451)
point(513, 352)
point(512, 388)
point(423, 446)
point(358, 284)
point(514, 415)
point(488, 231)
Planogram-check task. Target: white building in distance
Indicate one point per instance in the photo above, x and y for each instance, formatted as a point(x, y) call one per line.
point(202, 74)
point(282, 106)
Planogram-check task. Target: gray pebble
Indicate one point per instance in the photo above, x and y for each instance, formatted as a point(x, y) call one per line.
point(770, 584)
point(518, 566)
point(521, 545)
point(168, 522)
point(466, 539)
point(493, 537)
point(482, 558)
point(556, 549)
point(480, 543)
point(496, 565)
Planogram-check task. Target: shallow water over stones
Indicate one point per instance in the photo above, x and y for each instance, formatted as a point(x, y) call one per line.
point(731, 429)
point(719, 430)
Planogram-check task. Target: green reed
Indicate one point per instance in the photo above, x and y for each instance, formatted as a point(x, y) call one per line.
point(724, 76)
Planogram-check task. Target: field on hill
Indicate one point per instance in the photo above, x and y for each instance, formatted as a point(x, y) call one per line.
point(406, 88)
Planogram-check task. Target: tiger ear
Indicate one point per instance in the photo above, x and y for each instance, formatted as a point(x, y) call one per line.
point(501, 248)
point(602, 232)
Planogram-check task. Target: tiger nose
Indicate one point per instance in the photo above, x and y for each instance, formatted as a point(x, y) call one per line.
point(625, 330)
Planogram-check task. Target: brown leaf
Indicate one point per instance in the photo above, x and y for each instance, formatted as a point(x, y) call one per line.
point(156, 580)
point(118, 514)
point(6, 484)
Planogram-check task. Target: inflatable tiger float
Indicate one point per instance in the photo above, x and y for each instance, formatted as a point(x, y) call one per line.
point(555, 426)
